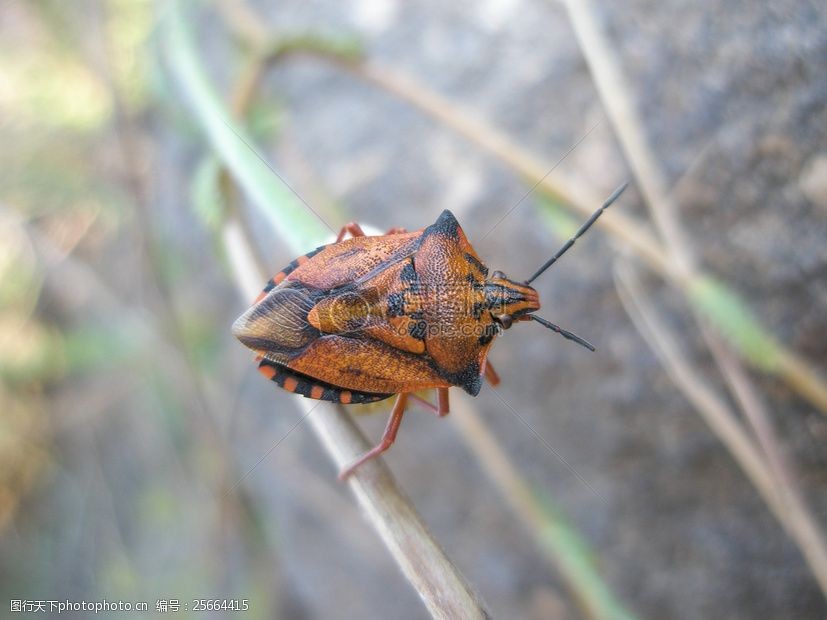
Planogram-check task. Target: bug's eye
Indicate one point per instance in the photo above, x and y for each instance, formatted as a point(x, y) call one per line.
point(505, 320)
point(498, 275)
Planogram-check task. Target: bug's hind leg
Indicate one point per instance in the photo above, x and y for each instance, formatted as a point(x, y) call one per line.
point(388, 437)
point(351, 227)
point(441, 409)
point(491, 375)
point(396, 231)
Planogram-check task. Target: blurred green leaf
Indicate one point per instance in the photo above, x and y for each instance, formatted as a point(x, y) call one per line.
point(574, 557)
point(201, 340)
point(119, 576)
point(20, 281)
point(129, 24)
point(31, 351)
point(171, 407)
point(43, 354)
point(736, 322)
point(265, 119)
point(91, 347)
point(158, 506)
point(46, 89)
point(206, 194)
point(556, 217)
point(293, 220)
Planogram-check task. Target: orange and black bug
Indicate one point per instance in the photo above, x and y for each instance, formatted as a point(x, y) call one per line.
point(365, 318)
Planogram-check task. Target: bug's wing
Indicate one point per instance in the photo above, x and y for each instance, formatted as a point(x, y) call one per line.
point(341, 354)
point(326, 318)
point(365, 365)
point(413, 314)
point(358, 314)
point(277, 324)
point(276, 327)
point(379, 306)
point(352, 260)
point(366, 339)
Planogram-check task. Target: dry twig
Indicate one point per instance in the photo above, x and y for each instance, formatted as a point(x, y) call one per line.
point(723, 421)
point(618, 99)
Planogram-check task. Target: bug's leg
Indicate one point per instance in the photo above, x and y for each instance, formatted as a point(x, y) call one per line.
point(388, 437)
point(441, 409)
point(353, 228)
point(425, 404)
point(397, 230)
point(491, 375)
point(442, 400)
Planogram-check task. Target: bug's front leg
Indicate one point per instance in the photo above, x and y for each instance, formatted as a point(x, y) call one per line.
point(388, 437)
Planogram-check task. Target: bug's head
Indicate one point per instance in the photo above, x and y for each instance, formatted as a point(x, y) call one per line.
point(509, 301)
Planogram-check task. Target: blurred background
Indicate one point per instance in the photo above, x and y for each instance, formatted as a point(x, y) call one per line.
point(679, 472)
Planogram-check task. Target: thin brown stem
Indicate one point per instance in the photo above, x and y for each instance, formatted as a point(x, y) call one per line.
point(619, 100)
point(803, 526)
point(786, 507)
point(622, 110)
point(711, 406)
point(590, 593)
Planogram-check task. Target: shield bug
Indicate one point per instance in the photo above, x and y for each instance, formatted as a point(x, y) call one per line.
point(365, 318)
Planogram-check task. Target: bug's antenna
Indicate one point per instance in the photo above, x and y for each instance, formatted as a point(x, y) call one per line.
point(615, 195)
point(564, 333)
